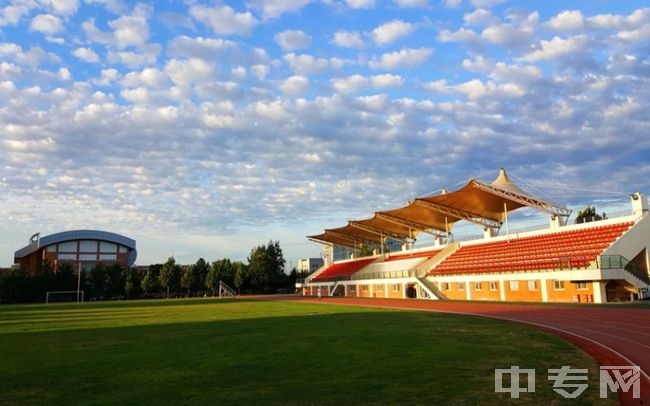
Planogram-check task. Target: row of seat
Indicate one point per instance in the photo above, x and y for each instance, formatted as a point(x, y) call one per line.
point(575, 248)
point(342, 270)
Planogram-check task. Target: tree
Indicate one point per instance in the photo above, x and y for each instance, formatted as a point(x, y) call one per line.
point(170, 275)
point(201, 269)
point(98, 281)
point(266, 267)
point(189, 279)
point(115, 280)
point(241, 278)
point(133, 284)
point(150, 281)
point(588, 214)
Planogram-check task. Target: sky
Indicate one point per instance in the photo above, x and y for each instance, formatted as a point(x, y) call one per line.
point(204, 128)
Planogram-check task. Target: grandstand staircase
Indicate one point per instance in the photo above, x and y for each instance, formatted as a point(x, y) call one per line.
point(423, 269)
point(333, 289)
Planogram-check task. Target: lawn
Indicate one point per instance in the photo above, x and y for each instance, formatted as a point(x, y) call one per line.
point(264, 352)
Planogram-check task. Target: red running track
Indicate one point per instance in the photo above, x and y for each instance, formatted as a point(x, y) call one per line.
point(612, 335)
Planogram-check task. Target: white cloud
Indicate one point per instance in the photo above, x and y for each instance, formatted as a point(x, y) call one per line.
point(295, 85)
point(107, 77)
point(462, 35)
point(190, 71)
point(555, 48)
point(401, 59)
point(305, 64)
point(617, 21)
point(355, 83)
point(347, 39)
point(479, 17)
point(568, 20)
point(64, 74)
point(133, 59)
point(11, 14)
point(275, 8)
point(517, 33)
point(86, 54)
point(641, 34)
point(412, 3)
point(386, 80)
point(64, 7)
point(291, 40)
point(476, 89)
point(360, 4)
point(224, 19)
point(486, 3)
point(452, 3)
point(94, 34)
point(46, 24)
point(131, 29)
point(260, 71)
point(391, 31)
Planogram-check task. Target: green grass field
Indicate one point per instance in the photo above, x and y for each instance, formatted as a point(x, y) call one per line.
point(262, 352)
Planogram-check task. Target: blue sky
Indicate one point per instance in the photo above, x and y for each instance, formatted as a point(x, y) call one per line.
point(205, 128)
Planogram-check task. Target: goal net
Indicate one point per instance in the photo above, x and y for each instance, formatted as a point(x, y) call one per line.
point(62, 296)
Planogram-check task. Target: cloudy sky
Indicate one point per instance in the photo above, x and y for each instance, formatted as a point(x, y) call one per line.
point(203, 128)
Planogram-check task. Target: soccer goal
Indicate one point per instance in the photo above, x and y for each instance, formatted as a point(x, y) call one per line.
point(225, 290)
point(62, 296)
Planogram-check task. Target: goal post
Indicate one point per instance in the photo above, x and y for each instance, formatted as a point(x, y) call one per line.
point(63, 296)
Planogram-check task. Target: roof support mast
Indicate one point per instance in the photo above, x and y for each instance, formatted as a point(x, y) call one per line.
point(546, 207)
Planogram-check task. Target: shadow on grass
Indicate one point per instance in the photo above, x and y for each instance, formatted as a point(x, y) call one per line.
point(359, 357)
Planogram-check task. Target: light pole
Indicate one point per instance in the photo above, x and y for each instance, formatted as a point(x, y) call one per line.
point(79, 282)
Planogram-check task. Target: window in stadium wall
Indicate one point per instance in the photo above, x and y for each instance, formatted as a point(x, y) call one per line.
point(461, 285)
point(581, 285)
point(532, 285)
point(380, 288)
point(68, 246)
point(107, 247)
point(395, 287)
point(477, 285)
point(87, 246)
point(514, 285)
point(558, 285)
point(364, 288)
point(353, 288)
point(122, 249)
point(67, 257)
point(493, 286)
point(87, 257)
point(108, 257)
point(445, 286)
point(51, 248)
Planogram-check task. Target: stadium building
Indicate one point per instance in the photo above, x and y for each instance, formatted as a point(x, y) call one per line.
point(599, 260)
point(85, 248)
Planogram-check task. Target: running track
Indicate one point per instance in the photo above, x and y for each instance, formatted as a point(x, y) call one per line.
point(612, 335)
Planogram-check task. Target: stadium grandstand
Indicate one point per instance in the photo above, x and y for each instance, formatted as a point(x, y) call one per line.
point(599, 259)
point(80, 248)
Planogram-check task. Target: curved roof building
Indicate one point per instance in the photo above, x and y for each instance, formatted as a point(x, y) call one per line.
point(84, 248)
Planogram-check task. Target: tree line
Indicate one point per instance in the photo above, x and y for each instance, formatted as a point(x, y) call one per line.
point(264, 272)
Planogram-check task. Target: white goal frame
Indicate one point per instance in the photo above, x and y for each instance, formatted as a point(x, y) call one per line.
point(79, 293)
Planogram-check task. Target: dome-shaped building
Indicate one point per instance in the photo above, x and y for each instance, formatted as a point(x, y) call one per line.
point(85, 248)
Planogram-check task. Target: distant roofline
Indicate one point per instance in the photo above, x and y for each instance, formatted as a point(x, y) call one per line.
point(80, 235)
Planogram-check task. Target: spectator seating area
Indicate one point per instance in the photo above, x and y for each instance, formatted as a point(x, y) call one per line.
point(567, 249)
